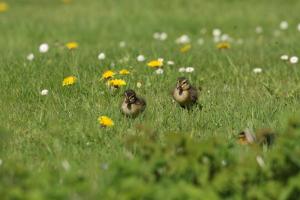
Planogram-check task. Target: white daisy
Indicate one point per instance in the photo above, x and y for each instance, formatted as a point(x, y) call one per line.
point(160, 59)
point(189, 69)
point(44, 92)
point(284, 57)
point(101, 56)
point(200, 41)
point(181, 69)
point(140, 58)
point(294, 60)
point(163, 36)
point(156, 35)
point(30, 57)
point(170, 62)
point(122, 44)
point(159, 71)
point(216, 32)
point(44, 48)
point(184, 39)
point(258, 29)
point(225, 37)
point(138, 84)
point(257, 70)
point(284, 25)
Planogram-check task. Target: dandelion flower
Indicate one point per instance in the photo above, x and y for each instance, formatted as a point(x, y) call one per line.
point(284, 25)
point(30, 57)
point(72, 45)
point(185, 48)
point(124, 72)
point(170, 62)
point(155, 63)
point(189, 69)
point(223, 45)
point(44, 92)
point(284, 57)
point(105, 121)
point(101, 56)
point(257, 70)
point(294, 60)
point(108, 74)
point(184, 39)
point(159, 71)
point(70, 80)
point(44, 48)
point(116, 83)
point(181, 69)
point(3, 7)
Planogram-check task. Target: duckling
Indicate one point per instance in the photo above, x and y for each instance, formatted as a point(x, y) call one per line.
point(132, 105)
point(184, 93)
point(263, 137)
point(246, 137)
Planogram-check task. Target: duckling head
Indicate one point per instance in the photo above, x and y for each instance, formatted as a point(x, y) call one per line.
point(183, 84)
point(130, 96)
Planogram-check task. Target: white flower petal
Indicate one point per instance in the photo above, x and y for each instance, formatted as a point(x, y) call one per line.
point(189, 69)
point(284, 25)
point(140, 58)
point(284, 57)
point(101, 56)
point(181, 69)
point(258, 29)
point(184, 39)
point(170, 62)
point(30, 57)
point(257, 70)
point(44, 48)
point(159, 71)
point(294, 59)
point(44, 92)
point(163, 36)
point(216, 32)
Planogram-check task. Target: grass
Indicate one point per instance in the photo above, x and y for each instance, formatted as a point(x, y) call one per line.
point(45, 131)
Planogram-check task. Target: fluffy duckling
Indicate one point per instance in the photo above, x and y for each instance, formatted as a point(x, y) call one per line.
point(184, 93)
point(132, 105)
point(263, 137)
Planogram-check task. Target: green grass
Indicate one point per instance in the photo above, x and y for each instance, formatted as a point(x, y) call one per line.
point(44, 131)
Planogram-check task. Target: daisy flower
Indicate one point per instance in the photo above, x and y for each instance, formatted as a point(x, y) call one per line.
point(284, 57)
point(108, 74)
point(70, 80)
point(138, 84)
point(44, 92)
point(223, 45)
point(72, 45)
point(124, 72)
point(284, 25)
point(140, 58)
point(189, 69)
point(122, 44)
point(155, 63)
point(101, 56)
point(30, 57)
point(258, 29)
point(105, 121)
point(216, 32)
point(181, 69)
point(159, 71)
point(116, 83)
point(294, 60)
point(163, 36)
point(185, 48)
point(44, 48)
point(184, 39)
point(225, 37)
point(257, 70)
point(156, 35)
point(170, 62)
point(3, 7)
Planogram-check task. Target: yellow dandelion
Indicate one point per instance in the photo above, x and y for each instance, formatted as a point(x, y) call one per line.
point(155, 63)
point(116, 83)
point(223, 45)
point(105, 121)
point(185, 48)
point(124, 72)
point(108, 74)
point(70, 80)
point(72, 45)
point(3, 7)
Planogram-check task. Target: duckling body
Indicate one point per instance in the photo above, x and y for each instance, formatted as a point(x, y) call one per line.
point(132, 105)
point(185, 94)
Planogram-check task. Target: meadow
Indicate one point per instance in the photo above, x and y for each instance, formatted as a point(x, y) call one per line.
point(242, 54)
